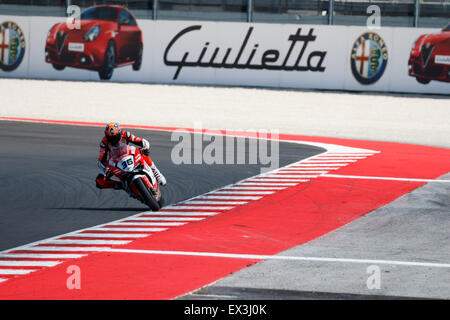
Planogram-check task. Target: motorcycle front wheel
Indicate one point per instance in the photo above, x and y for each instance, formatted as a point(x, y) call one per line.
point(146, 195)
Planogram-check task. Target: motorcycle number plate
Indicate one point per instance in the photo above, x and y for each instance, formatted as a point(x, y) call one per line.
point(126, 164)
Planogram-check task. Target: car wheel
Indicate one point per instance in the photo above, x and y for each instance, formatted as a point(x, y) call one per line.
point(58, 66)
point(423, 80)
point(106, 70)
point(137, 64)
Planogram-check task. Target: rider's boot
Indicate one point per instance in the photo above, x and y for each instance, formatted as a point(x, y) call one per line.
point(158, 175)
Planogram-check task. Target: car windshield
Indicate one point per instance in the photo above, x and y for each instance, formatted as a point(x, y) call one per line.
point(446, 28)
point(119, 150)
point(100, 13)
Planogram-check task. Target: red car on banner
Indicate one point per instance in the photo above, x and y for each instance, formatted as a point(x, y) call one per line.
point(107, 37)
point(430, 57)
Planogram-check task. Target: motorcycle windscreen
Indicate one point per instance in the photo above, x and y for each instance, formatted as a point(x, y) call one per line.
point(119, 151)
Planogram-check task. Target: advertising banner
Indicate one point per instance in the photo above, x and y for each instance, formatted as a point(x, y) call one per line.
point(108, 44)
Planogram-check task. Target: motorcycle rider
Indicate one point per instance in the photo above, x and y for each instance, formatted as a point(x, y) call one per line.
point(113, 135)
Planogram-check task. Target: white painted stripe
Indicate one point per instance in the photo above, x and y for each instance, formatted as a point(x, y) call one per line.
point(349, 154)
point(180, 213)
point(27, 263)
point(53, 248)
point(339, 158)
point(243, 192)
point(272, 185)
point(16, 271)
point(384, 178)
point(304, 164)
point(259, 187)
point(112, 242)
point(108, 235)
point(289, 170)
point(279, 180)
point(132, 229)
point(197, 207)
point(290, 176)
point(237, 197)
point(42, 255)
point(150, 224)
point(316, 168)
point(212, 202)
point(165, 219)
point(280, 257)
point(327, 161)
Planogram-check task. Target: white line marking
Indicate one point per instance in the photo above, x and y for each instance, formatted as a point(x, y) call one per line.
point(16, 271)
point(108, 235)
point(316, 168)
point(259, 187)
point(278, 181)
point(53, 248)
point(213, 202)
point(328, 161)
point(320, 165)
point(236, 197)
point(242, 192)
point(349, 154)
point(132, 229)
point(180, 213)
point(279, 257)
point(24, 263)
point(165, 219)
point(339, 158)
point(383, 178)
point(86, 242)
point(151, 224)
point(197, 207)
point(293, 171)
point(271, 185)
point(42, 255)
point(290, 176)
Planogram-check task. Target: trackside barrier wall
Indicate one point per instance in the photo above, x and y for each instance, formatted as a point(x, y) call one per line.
point(243, 54)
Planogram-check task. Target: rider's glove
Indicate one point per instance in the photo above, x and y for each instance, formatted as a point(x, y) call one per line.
point(108, 172)
point(145, 147)
point(145, 144)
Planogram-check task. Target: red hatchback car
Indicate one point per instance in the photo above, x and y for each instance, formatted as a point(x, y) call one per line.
point(430, 57)
point(108, 37)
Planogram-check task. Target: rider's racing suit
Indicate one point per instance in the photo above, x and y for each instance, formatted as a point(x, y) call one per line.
point(103, 180)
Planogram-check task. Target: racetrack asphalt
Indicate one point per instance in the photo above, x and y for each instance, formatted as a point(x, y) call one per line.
point(48, 170)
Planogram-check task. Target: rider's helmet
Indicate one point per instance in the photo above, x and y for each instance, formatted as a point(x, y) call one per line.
point(113, 133)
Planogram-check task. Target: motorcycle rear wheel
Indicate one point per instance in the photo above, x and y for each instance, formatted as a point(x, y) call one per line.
point(146, 195)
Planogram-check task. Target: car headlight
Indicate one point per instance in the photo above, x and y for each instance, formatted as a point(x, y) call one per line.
point(92, 34)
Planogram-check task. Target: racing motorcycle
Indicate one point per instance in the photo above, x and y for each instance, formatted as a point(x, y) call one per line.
point(127, 164)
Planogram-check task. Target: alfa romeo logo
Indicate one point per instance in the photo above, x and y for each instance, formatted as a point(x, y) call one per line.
point(12, 46)
point(369, 58)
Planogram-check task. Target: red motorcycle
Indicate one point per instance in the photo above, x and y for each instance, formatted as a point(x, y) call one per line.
point(128, 164)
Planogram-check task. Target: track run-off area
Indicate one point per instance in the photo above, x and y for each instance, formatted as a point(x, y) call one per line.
point(322, 186)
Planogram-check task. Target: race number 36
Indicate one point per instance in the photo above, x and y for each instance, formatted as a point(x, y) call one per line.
point(73, 17)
